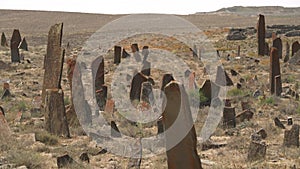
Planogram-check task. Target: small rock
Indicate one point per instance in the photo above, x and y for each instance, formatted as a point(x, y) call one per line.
point(278, 123)
point(257, 93)
point(84, 157)
point(64, 161)
point(262, 132)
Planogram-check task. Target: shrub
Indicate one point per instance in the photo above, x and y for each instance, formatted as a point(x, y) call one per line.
point(46, 138)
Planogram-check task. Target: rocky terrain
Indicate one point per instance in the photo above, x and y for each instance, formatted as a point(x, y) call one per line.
point(260, 117)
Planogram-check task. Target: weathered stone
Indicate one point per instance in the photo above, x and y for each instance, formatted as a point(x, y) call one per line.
point(239, 51)
point(274, 68)
point(274, 36)
point(145, 53)
point(23, 45)
point(136, 158)
point(210, 90)
point(227, 102)
point(278, 85)
point(236, 35)
point(229, 120)
point(287, 52)
point(98, 73)
point(267, 49)
point(245, 105)
point(257, 151)
point(135, 51)
point(277, 43)
point(110, 106)
point(3, 40)
point(117, 55)
point(125, 54)
point(184, 154)
point(101, 97)
point(245, 115)
point(291, 137)
point(295, 47)
point(290, 121)
point(278, 123)
point(55, 114)
point(262, 132)
point(147, 94)
point(64, 161)
point(54, 60)
point(14, 44)
point(146, 69)
point(233, 72)
point(222, 78)
point(6, 93)
point(136, 86)
point(84, 157)
point(115, 132)
point(261, 33)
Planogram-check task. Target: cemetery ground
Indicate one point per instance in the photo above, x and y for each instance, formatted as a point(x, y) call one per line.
point(27, 143)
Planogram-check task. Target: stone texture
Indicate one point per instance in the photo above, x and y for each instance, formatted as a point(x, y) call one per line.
point(3, 40)
point(222, 78)
point(136, 159)
point(110, 106)
point(115, 132)
point(278, 85)
point(295, 47)
point(55, 114)
point(229, 120)
point(136, 86)
point(84, 157)
point(274, 68)
point(245, 115)
point(145, 53)
point(125, 54)
point(14, 44)
point(117, 54)
point(278, 123)
point(54, 60)
point(291, 137)
point(64, 161)
point(147, 94)
point(257, 151)
point(146, 69)
point(287, 52)
point(277, 43)
point(98, 73)
point(210, 90)
point(23, 45)
point(261, 33)
point(135, 51)
point(184, 154)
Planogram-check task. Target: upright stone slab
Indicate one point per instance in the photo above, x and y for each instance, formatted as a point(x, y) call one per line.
point(101, 97)
point(135, 51)
point(295, 47)
point(287, 52)
point(98, 73)
point(274, 68)
point(14, 44)
point(136, 86)
point(3, 40)
point(115, 132)
point(55, 114)
point(229, 117)
point(54, 60)
point(277, 43)
point(278, 85)
point(23, 45)
point(267, 49)
point(257, 151)
point(274, 36)
point(117, 55)
point(239, 51)
point(145, 53)
point(125, 54)
point(210, 90)
point(291, 137)
point(146, 69)
point(184, 154)
point(222, 78)
point(261, 34)
point(147, 94)
point(136, 152)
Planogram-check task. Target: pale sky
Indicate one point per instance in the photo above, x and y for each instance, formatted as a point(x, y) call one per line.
point(138, 6)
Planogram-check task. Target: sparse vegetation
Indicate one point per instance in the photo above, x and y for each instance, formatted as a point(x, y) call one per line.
point(46, 138)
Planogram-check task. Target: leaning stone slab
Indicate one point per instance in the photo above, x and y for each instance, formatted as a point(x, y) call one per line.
point(14, 44)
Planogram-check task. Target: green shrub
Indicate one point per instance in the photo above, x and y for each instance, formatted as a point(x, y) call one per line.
point(235, 92)
point(46, 138)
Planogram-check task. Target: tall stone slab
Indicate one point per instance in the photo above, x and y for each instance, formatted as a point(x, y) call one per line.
point(287, 52)
point(53, 60)
point(98, 73)
point(278, 85)
point(291, 137)
point(274, 68)
point(222, 77)
point(295, 47)
point(23, 45)
point(261, 33)
point(277, 43)
point(117, 54)
point(136, 86)
point(3, 40)
point(14, 44)
point(184, 154)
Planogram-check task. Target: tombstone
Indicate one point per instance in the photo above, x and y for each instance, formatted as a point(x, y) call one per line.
point(257, 151)
point(262, 132)
point(54, 60)
point(146, 69)
point(267, 49)
point(14, 44)
point(222, 78)
point(229, 117)
point(239, 51)
point(110, 106)
point(136, 158)
point(115, 132)
point(147, 94)
point(274, 68)
point(125, 54)
point(167, 78)
point(291, 137)
point(290, 121)
point(184, 154)
point(295, 47)
point(245, 115)
point(6, 93)
point(160, 126)
point(227, 102)
point(23, 45)
point(261, 33)
point(245, 105)
point(135, 51)
point(84, 157)
point(145, 53)
point(98, 73)
point(55, 113)
point(136, 86)
point(278, 85)
point(101, 97)
point(274, 36)
point(117, 55)
point(233, 72)
point(64, 161)
point(210, 90)
point(278, 123)
point(287, 52)
point(277, 43)
point(3, 40)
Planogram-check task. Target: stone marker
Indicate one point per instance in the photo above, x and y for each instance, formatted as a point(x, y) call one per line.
point(291, 137)
point(184, 154)
point(55, 114)
point(274, 36)
point(98, 73)
point(277, 43)
point(115, 132)
point(64, 161)
point(23, 45)
point(239, 51)
point(147, 94)
point(135, 51)
point(278, 85)
point(54, 60)
point(257, 151)
point(6, 93)
point(261, 33)
point(146, 69)
point(222, 78)
point(101, 97)
point(245, 105)
point(229, 117)
point(125, 54)
point(117, 55)
point(274, 69)
point(3, 40)
point(210, 90)
point(110, 106)
point(136, 86)
point(136, 159)
point(287, 52)
point(245, 115)
point(262, 132)
point(278, 123)
point(295, 47)
point(14, 44)
point(145, 53)
point(84, 157)
point(267, 49)
point(290, 121)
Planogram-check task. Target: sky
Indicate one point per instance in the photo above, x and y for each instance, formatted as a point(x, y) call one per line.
point(138, 6)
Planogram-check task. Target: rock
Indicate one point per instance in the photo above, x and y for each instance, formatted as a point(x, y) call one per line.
point(257, 93)
point(293, 33)
point(136, 155)
point(255, 137)
point(277, 43)
point(290, 121)
point(98, 73)
point(3, 40)
point(84, 157)
point(64, 161)
point(222, 78)
point(295, 48)
point(136, 86)
point(278, 123)
point(23, 45)
point(125, 54)
point(245, 115)
point(236, 35)
point(291, 137)
point(6, 94)
point(262, 132)
point(233, 72)
point(115, 132)
point(210, 90)
point(229, 120)
point(110, 106)
point(146, 69)
point(147, 94)
point(257, 151)
point(14, 44)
